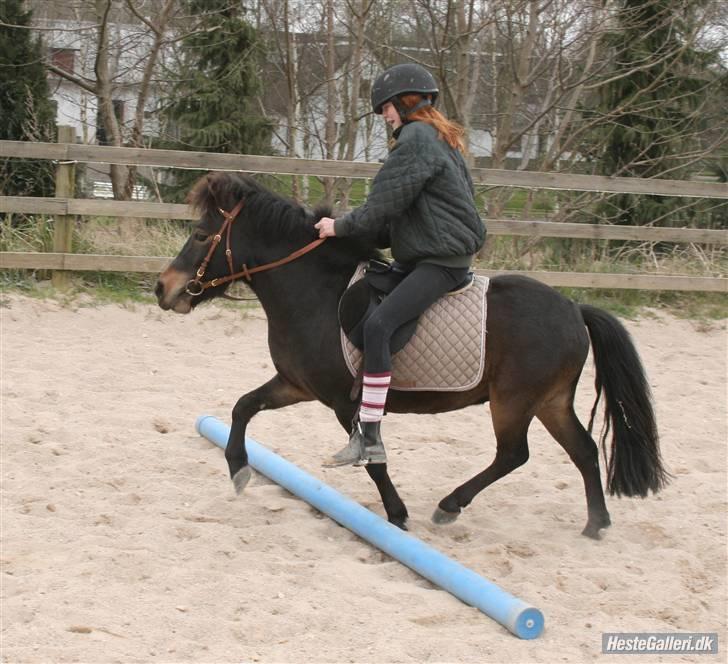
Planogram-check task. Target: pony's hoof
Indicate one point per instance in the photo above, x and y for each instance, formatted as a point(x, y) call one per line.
point(593, 527)
point(241, 479)
point(591, 533)
point(400, 523)
point(441, 517)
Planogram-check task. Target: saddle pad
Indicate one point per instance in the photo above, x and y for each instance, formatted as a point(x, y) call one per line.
point(447, 352)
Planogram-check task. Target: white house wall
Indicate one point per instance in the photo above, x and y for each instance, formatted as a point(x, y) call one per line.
point(78, 107)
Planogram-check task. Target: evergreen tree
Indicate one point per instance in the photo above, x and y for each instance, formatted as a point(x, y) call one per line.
point(211, 106)
point(656, 88)
point(27, 112)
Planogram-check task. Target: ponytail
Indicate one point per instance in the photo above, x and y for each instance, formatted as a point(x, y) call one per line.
point(450, 132)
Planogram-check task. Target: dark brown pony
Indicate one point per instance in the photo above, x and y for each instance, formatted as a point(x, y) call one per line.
point(537, 345)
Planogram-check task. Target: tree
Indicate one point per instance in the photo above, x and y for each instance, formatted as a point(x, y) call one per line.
point(285, 59)
point(26, 108)
point(212, 105)
point(655, 104)
point(124, 44)
point(318, 49)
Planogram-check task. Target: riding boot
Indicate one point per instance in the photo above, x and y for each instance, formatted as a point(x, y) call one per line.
point(365, 446)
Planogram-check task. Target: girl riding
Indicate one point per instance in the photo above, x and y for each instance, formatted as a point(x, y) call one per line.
point(423, 200)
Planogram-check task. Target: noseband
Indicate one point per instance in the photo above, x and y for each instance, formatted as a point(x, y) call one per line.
point(196, 286)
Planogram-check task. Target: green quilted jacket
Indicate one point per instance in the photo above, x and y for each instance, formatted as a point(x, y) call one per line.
point(424, 194)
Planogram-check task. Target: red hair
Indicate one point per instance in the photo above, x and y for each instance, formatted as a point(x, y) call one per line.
point(450, 132)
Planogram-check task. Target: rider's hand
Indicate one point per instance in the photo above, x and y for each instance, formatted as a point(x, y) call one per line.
point(325, 227)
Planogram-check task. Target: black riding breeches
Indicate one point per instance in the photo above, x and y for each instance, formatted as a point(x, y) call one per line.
point(413, 295)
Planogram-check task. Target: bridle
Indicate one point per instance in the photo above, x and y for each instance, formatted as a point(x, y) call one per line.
point(196, 286)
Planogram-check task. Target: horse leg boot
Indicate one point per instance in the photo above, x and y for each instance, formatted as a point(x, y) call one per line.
point(365, 447)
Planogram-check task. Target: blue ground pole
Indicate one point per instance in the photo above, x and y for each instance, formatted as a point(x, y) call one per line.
point(523, 620)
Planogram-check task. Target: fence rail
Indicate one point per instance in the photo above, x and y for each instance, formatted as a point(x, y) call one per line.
point(61, 259)
point(535, 228)
point(154, 264)
point(349, 169)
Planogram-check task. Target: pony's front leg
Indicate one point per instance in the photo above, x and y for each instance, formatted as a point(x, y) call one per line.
point(276, 393)
point(393, 504)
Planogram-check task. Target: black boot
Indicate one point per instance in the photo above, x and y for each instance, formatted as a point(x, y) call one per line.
point(365, 447)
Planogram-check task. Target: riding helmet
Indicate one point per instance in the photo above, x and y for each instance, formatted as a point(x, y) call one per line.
point(401, 79)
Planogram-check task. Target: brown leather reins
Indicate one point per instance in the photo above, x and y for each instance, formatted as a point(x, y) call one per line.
point(196, 286)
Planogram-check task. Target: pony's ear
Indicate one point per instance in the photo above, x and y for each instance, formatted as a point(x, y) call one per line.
point(202, 190)
point(322, 210)
point(212, 182)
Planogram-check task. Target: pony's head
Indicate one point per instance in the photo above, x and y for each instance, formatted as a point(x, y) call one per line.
point(242, 226)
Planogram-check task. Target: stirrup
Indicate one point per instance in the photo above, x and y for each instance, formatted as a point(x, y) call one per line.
point(360, 451)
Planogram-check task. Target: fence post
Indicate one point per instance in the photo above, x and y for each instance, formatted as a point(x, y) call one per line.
point(65, 188)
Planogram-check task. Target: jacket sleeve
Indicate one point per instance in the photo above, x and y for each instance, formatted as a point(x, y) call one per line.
point(394, 188)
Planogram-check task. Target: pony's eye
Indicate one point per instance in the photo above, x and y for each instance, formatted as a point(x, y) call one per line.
point(200, 236)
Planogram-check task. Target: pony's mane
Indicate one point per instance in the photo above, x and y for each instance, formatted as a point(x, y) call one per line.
point(273, 215)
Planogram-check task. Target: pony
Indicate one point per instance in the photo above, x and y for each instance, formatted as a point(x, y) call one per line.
point(538, 342)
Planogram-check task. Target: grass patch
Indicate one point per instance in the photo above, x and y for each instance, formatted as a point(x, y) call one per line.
point(165, 238)
point(311, 188)
point(541, 202)
point(97, 287)
point(632, 304)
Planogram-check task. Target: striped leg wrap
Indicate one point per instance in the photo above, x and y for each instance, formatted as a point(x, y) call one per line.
point(374, 395)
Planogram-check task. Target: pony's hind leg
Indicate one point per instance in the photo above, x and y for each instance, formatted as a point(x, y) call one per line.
point(563, 424)
point(511, 427)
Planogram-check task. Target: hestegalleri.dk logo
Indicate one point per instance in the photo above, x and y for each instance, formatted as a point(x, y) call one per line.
point(654, 643)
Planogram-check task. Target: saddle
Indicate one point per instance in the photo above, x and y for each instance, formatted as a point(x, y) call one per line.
point(362, 297)
point(370, 284)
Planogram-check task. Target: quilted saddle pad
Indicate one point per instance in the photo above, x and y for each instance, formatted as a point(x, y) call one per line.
point(447, 352)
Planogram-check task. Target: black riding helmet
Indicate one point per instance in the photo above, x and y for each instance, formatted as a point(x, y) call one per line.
point(402, 79)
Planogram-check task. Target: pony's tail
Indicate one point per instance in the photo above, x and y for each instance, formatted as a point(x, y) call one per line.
point(634, 465)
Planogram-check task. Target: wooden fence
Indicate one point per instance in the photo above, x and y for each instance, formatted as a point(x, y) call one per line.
point(64, 208)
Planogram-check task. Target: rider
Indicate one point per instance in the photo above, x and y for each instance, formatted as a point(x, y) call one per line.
point(424, 194)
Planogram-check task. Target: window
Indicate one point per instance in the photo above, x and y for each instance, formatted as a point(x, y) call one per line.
point(63, 58)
